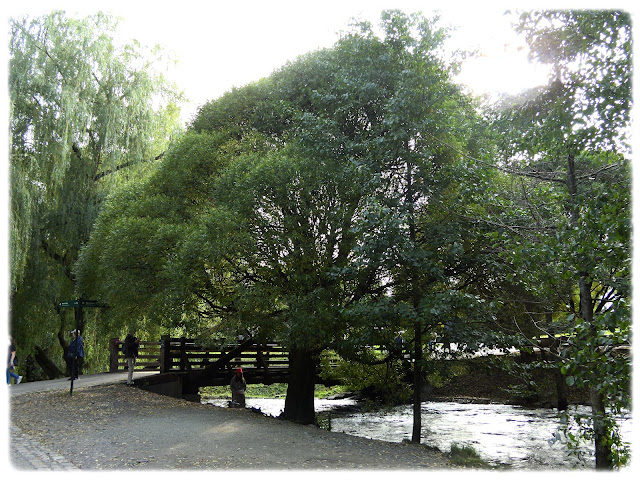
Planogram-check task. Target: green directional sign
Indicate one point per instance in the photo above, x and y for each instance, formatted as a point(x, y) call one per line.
point(80, 303)
point(68, 303)
point(91, 303)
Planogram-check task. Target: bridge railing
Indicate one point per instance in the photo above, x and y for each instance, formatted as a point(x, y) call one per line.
point(182, 355)
point(148, 356)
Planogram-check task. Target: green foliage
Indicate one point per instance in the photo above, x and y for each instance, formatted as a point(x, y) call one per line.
point(590, 99)
point(85, 116)
point(466, 456)
point(382, 384)
point(594, 359)
point(153, 226)
point(300, 231)
point(322, 391)
point(566, 232)
point(254, 390)
point(439, 374)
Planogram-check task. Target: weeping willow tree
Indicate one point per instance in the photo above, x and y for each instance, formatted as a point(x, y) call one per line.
point(86, 113)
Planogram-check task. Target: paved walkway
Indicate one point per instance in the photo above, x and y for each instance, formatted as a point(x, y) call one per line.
point(117, 427)
point(25, 453)
point(83, 381)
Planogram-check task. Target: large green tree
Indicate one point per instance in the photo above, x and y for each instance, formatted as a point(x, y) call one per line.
point(363, 166)
point(569, 141)
point(85, 113)
point(327, 165)
point(422, 255)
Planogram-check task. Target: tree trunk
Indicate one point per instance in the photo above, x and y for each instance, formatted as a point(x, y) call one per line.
point(600, 434)
point(561, 389)
point(417, 386)
point(562, 402)
point(298, 405)
point(417, 342)
point(603, 447)
point(49, 368)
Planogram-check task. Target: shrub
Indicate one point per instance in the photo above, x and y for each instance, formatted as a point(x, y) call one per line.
point(466, 456)
point(381, 383)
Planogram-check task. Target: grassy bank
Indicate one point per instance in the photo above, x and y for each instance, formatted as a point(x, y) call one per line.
point(259, 390)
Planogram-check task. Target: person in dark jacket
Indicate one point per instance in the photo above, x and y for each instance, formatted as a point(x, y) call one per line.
point(76, 351)
point(238, 387)
point(130, 350)
point(12, 361)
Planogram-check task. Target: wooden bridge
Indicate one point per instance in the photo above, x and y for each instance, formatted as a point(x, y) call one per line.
point(183, 366)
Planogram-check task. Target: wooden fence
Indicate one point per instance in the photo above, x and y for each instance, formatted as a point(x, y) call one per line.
point(148, 356)
point(184, 355)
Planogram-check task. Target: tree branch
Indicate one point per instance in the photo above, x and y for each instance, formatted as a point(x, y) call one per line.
point(62, 260)
point(103, 174)
point(557, 178)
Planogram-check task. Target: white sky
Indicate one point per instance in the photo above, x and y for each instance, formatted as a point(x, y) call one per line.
point(222, 44)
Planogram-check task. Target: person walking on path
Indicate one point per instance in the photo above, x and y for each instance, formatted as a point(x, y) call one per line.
point(12, 361)
point(76, 354)
point(130, 350)
point(238, 387)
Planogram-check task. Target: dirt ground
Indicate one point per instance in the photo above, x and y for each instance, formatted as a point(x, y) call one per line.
point(120, 427)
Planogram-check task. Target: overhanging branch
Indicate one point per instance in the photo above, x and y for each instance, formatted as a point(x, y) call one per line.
point(117, 168)
point(62, 260)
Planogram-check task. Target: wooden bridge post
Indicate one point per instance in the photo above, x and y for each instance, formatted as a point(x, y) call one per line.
point(113, 354)
point(184, 363)
point(165, 353)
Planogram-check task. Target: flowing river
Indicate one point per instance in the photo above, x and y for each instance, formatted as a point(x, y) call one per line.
point(501, 434)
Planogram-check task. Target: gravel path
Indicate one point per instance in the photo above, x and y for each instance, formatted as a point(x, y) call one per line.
point(120, 427)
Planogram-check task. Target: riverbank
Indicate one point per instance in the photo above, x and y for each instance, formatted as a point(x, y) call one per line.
point(120, 427)
point(479, 381)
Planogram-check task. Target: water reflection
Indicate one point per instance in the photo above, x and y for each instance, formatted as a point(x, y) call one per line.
point(501, 434)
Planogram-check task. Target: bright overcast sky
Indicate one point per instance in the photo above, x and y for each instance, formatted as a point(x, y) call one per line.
point(231, 43)
point(222, 44)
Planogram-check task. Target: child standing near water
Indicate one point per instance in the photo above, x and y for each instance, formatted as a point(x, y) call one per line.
point(238, 387)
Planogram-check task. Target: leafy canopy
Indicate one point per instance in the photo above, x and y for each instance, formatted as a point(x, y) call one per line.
point(86, 114)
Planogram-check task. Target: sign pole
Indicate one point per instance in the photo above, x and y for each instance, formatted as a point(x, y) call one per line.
point(79, 314)
point(73, 369)
point(74, 363)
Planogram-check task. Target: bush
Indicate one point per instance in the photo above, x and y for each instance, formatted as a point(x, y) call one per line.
point(382, 383)
point(466, 456)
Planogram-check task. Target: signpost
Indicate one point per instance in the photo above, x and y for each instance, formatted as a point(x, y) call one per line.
point(81, 303)
point(77, 305)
